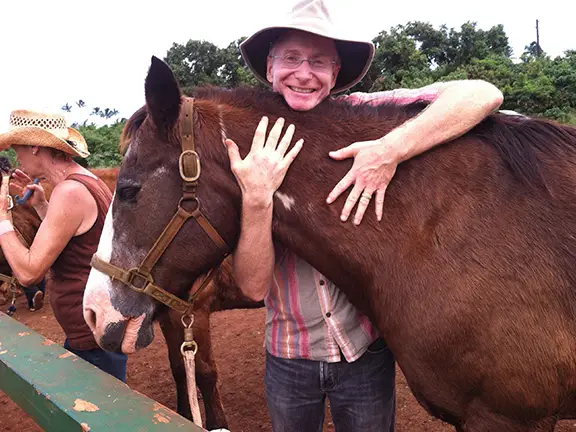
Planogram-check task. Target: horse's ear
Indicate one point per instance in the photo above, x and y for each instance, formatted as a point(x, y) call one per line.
point(162, 95)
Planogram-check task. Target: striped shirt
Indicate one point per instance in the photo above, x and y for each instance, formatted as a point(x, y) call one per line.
point(307, 316)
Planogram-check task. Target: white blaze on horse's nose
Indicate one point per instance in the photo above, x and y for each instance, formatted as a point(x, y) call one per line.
point(97, 281)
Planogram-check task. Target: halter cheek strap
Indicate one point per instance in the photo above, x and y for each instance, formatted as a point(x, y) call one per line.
point(140, 278)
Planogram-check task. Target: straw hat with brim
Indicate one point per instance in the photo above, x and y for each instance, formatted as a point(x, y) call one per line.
point(310, 16)
point(33, 128)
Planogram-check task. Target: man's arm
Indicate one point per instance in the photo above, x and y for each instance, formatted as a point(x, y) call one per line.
point(455, 108)
point(254, 258)
point(259, 175)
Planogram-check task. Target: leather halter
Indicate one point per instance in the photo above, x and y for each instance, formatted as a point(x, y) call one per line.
point(140, 278)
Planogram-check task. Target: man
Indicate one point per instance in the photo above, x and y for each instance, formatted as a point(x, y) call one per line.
point(317, 343)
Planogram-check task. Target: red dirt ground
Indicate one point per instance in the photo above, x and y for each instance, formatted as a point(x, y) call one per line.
point(238, 346)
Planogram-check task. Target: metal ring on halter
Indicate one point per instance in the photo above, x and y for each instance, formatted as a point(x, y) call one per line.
point(193, 346)
point(10, 202)
point(183, 320)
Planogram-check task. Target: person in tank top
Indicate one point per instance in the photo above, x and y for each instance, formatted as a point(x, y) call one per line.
point(72, 222)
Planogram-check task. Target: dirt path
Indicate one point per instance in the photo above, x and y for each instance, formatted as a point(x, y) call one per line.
point(238, 346)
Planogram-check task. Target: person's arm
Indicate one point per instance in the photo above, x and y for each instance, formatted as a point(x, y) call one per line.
point(456, 107)
point(259, 175)
point(62, 221)
point(254, 258)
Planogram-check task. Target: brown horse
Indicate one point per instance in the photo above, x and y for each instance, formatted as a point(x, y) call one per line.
point(26, 221)
point(470, 276)
point(221, 294)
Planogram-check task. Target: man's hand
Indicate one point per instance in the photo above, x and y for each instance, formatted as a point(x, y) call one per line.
point(374, 166)
point(263, 169)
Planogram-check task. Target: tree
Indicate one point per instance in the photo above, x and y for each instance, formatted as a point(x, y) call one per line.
point(102, 141)
point(199, 63)
point(417, 54)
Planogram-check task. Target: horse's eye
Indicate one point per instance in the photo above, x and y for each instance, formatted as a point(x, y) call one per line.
point(128, 193)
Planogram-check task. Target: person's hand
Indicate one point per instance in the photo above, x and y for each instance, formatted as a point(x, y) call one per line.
point(263, 169)
point(38, 197)
point(373, 168)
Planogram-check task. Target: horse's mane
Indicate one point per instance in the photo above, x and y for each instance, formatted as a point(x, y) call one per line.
point(524, 144)
point(131, 127)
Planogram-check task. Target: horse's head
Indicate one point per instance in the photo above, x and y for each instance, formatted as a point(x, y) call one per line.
point(159, 185)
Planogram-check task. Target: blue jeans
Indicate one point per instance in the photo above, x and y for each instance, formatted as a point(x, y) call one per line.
point(33, 289)
point(110, 362)
point(361, 393)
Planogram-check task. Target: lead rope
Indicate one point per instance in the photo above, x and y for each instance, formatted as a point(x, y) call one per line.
point(188, 349)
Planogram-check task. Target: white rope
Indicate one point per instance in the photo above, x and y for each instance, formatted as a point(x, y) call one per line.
point(190, 365)
point(188, 350)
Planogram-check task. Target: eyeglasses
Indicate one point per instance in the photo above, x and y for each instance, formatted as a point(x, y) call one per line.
point(319, 64)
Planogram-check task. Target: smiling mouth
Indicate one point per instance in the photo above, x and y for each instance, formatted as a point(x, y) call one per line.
point(301, 90)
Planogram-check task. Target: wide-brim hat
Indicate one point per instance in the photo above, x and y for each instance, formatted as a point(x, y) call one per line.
point(310, 16)
point(33, 128)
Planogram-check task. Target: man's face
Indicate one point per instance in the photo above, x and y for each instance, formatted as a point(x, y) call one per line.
point(306, 85)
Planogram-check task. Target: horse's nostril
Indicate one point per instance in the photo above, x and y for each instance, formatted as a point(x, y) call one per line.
point(90, 318)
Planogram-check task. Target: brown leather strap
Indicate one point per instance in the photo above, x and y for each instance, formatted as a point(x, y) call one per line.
point(204, 284)
point(187, 124)
point(189, 162)
point(212, 233)
point(166, 237)
point(149, 288)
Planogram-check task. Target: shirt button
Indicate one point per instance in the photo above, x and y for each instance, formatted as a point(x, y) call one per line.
point(328, 314)
point(322, 281)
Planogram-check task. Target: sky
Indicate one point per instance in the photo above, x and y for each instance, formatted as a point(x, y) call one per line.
point(59, 51)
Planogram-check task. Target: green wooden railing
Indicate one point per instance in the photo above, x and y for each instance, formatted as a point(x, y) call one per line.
point(63, 393)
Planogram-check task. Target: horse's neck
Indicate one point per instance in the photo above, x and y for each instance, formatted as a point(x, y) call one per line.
point(304, 223)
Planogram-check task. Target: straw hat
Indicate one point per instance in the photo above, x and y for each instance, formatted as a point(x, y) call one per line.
point(34, 128)
point(311, 16)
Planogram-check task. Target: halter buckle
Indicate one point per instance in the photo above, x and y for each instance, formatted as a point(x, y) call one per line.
point(134, 275)
point(189, 159)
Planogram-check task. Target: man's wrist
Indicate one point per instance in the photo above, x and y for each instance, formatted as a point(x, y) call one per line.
point(256, 202)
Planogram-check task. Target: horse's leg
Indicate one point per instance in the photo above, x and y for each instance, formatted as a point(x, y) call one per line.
point(207, 373)
point(174, 335)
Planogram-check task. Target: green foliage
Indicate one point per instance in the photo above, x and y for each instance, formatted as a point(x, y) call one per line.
point(11, 155)
point(198, 63)
point(103, 144)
